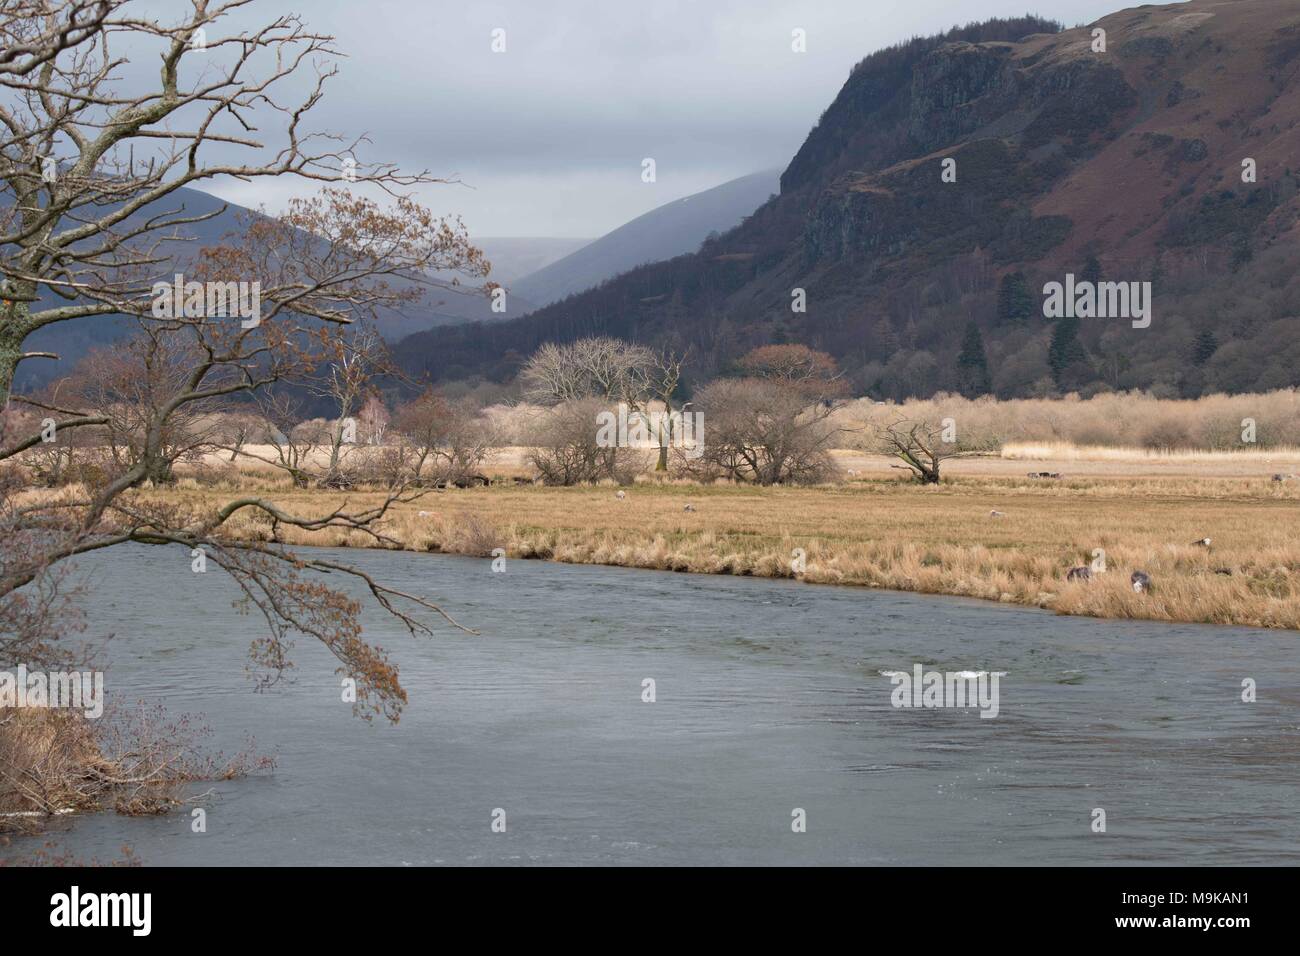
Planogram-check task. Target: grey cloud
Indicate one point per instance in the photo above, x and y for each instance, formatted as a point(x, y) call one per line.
point(551, 134)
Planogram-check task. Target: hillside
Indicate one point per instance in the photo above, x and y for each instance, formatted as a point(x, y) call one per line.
point(73, 339)
point(1123, 165)
point(670, 230)
point(514, 257)
point(511, 258)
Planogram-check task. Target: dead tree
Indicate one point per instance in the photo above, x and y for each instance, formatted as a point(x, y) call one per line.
point(89, 217)
point(920, 446)
point(611, 370)
point(89, 169)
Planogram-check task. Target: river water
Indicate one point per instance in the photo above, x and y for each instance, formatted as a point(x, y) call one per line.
point(769, 697)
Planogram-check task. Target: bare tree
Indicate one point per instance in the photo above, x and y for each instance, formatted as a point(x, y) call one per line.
point(612, 370)
point(922, 447)
point(601, 367)
point(567, 452)
point(237, 426)
point(282, 427)
point(811, 372)
point(443, 437)
point(662, 378)
point(87, 168)
point(763, 432)
point(58, 457)
point(773, 426)
point(128, 385)
point(358, 357)
point(373, 419)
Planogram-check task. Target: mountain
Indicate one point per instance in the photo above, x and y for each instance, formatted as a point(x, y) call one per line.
point(514, 257)
point(511, 258)
point(669, 230)
point(1163, 156)
point(71, 340)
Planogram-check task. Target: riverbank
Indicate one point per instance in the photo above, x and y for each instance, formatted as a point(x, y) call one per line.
point(874, 531)
point(769, 696)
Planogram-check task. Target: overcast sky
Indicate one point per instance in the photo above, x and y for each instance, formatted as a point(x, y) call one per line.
point(549, 136)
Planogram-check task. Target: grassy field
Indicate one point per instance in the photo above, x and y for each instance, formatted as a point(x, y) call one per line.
point(879, 530)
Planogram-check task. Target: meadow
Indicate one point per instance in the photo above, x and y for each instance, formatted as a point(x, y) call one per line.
point(988, 531)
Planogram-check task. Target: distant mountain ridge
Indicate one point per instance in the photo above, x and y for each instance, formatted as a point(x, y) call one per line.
point(514, 257)
point(669, 230)
point(511, 258)
point(71, 340)
point(1127, 163)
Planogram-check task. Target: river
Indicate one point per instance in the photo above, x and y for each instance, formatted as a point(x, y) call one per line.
point(769, 696)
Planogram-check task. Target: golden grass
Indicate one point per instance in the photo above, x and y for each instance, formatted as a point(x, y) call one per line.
point(45, 757)
point(1113, 419)
point(1066, 451)
point(137, 762)
point(882, 532)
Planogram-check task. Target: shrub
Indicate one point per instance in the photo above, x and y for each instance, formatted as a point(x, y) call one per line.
point(567, 452)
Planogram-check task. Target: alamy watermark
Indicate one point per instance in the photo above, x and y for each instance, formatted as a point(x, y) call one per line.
point(1098, 300)
point(629, 429)
point(75, 908)
point(59, 690)
point(198, 300)
point(952, 689)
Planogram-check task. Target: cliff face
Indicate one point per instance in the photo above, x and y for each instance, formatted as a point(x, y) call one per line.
point(869, 123)
point(1169, 156)
point(1001, 112)
point(878, 217)
point(957, 89)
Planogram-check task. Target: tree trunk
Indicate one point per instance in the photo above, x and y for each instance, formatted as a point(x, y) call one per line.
point(158, 470)
point(11, 350)
point(664, 439)
point(15, 326)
